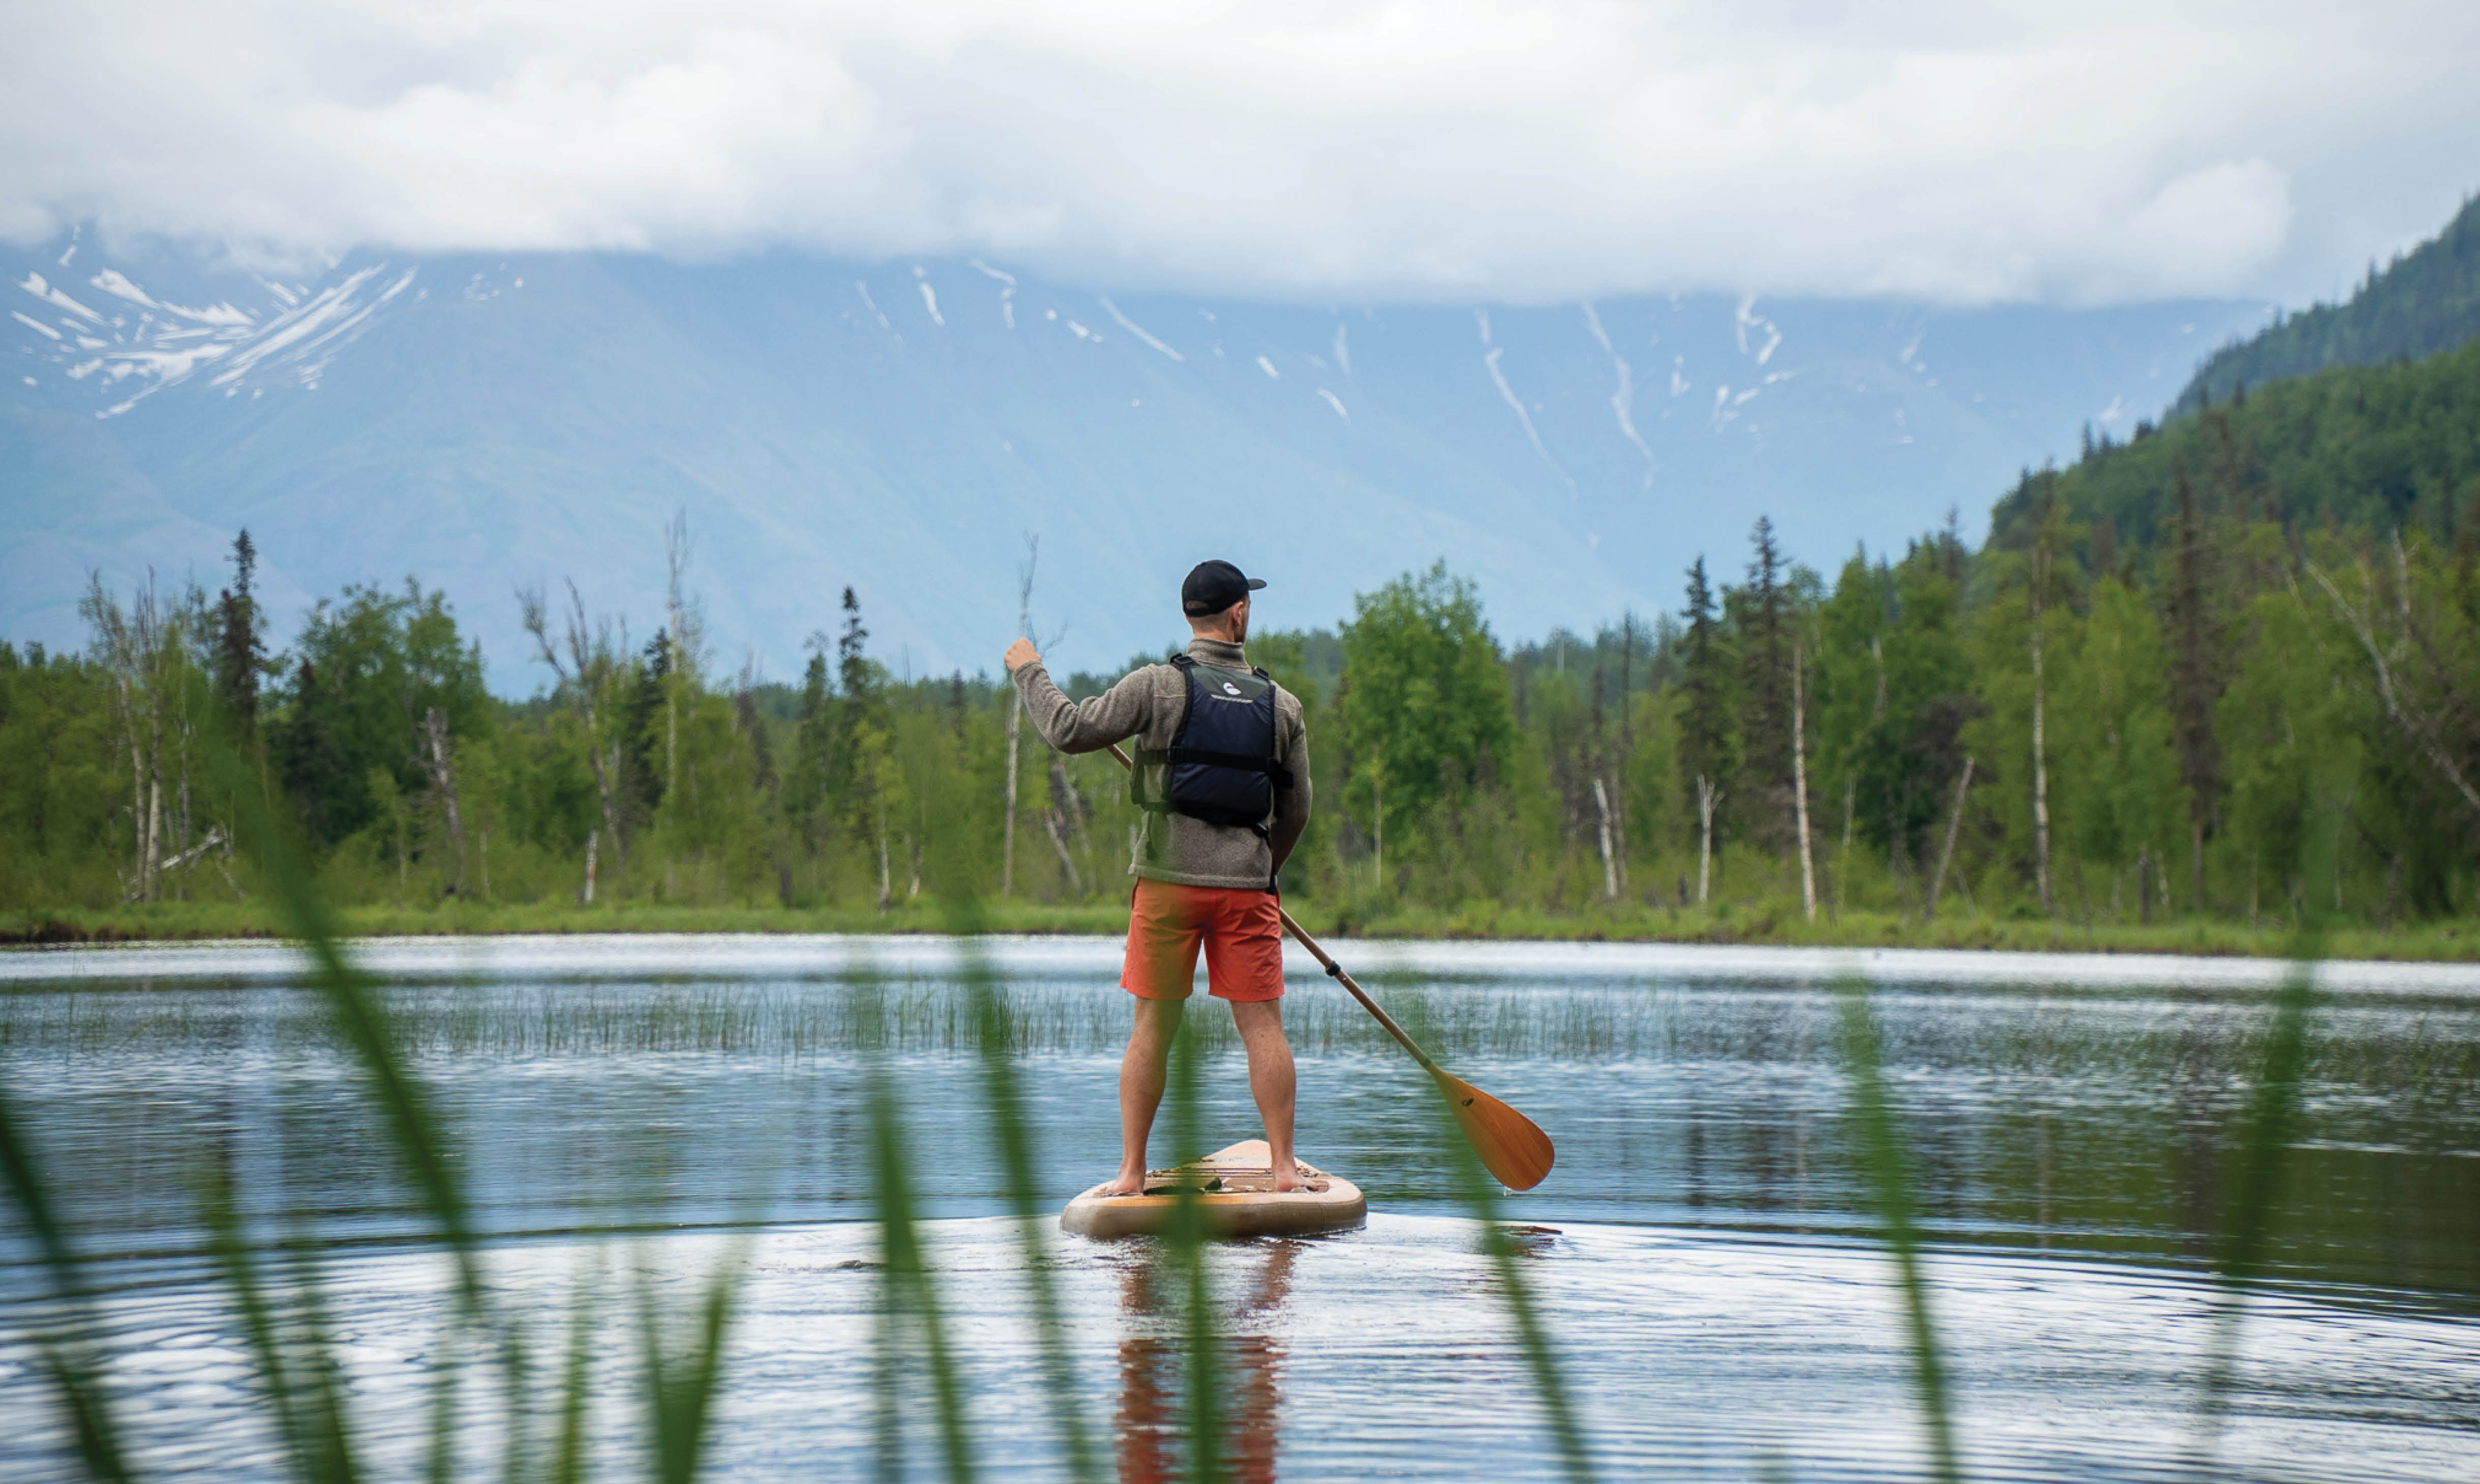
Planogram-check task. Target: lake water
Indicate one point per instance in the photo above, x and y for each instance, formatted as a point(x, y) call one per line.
point(636, 1110)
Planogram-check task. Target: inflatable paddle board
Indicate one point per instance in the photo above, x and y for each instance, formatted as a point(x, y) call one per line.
point(1236, 1194)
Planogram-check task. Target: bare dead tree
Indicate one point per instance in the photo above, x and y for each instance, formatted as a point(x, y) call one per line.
point(1799, 780)
point(1016, 710)
point(207, 845)
point(443, 781)
point(142, 647)
point(2040, 578)
point(1954, 823)
point(2418, 719)
point(1065, 820)
point(1609, 868)
point(1708, 799)
point(1593, 763)
point(687, 626)
point(1618, 815)
point(585, 675)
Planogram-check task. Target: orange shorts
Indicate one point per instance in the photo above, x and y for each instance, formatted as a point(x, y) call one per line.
point(1241, 927)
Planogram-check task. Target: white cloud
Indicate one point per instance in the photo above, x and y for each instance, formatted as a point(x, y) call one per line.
point(1413, 149)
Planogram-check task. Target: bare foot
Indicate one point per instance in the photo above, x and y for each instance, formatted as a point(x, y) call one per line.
point(1124, 1184)
point(1289, 1176)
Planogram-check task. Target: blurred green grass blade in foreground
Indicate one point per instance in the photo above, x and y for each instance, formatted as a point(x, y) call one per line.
point(2272, 1125)
point(1881, 1154)
point(1012, 1133)
point(1506, 1255)
point(681, 1388)
point(447, 1368)
point(351, 1000)
point(291, 1353)
point(910, 1304)
point(67, 1354)
point(568, 1454)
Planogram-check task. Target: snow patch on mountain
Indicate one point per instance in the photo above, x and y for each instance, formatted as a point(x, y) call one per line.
point(863, 289)
point(112, 282)
point(35, 285)
point(1749, 319)
point(133, 354)
point(1623, 400)
point(305, 341)
point(1513, 401)
point(1136, 330)
point(1007, 290)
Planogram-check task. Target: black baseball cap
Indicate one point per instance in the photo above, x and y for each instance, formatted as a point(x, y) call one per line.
point(1213, 587)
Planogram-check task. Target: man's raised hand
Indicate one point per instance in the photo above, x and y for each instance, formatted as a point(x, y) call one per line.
point(1021, 654)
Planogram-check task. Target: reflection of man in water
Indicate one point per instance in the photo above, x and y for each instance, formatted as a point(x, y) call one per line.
point(1153, 1363)
point(1223, 758)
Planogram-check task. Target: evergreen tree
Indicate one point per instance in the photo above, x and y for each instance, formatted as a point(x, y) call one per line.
point(1762, 619)
point(1849, 693)
point(860, 718)
point(866, 779)
point(373, 668)
point(805, 787)
point(1906, 761)
point(307, 765)
point(2197, 669)
point(1708, 738)
point(646, 715)
point(238, 641)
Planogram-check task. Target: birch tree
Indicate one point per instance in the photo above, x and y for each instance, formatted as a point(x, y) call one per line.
point(587, 664)
point(143, 648)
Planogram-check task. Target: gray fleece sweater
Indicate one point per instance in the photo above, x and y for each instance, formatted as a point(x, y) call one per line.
point(1147, 705)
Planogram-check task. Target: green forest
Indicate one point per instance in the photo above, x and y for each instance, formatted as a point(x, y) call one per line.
point(2186, 683)
point(2042, 731)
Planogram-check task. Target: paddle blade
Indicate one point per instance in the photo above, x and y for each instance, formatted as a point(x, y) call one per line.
point(1510, 1146)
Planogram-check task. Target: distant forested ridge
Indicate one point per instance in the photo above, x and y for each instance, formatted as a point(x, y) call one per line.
point(2423, 303)
point(2361, 448)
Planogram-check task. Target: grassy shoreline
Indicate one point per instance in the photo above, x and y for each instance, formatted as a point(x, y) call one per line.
point(1765, 923)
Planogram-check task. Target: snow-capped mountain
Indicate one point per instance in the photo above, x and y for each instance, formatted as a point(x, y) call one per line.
point(486, 422)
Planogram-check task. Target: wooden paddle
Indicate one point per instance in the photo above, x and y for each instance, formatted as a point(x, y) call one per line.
point(1510, 1146)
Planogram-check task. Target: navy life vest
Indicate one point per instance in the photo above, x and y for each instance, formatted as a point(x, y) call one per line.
point(1220, 766)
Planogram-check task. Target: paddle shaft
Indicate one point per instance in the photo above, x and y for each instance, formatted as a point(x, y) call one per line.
point(1335, 971)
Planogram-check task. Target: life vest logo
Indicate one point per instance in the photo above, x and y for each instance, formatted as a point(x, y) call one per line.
point(1230, 689)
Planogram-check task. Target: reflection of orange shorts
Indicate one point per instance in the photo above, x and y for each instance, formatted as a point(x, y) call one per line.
point(1241, 928)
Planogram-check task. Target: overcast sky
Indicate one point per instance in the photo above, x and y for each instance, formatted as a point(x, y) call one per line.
point(1329, 151)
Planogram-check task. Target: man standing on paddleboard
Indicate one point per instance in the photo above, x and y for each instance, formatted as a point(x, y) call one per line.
point(1223, 774)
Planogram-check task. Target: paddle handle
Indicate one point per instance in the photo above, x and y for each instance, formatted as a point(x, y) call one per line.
point(1335, 971)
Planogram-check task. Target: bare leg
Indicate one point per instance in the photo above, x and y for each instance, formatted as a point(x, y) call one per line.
point(1271, 1080)
point(1141, 1087)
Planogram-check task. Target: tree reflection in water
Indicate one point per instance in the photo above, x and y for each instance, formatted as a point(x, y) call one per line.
point(1149, 1425)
